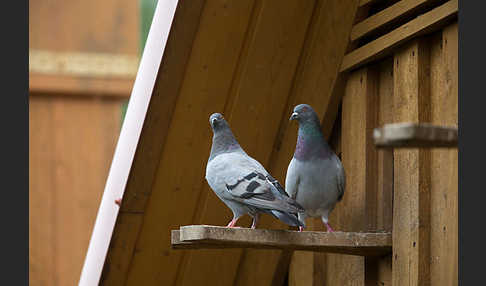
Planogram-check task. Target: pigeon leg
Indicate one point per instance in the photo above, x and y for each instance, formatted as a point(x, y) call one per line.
point(118, 202)
point(302, 217)
point(255, 221)
point(329, 228)
point(232, 222)
point(325, 221)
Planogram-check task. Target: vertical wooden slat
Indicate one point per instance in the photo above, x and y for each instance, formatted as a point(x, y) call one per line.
point(444, 168)
point(72, 143)
point(86, 132)
point(385, 167)
point(385, 157)
point(42, 242)
point(357, 210)
point(411, 205)
point(301, 269)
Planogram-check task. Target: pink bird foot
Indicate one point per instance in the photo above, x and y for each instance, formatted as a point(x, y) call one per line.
point(118, 202)
point(301, 228)
point(232, 223)
point(329, 228)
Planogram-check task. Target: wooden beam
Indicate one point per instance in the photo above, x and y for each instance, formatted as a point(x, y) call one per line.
point(76, 85)
point(384, 45)
point(410, 135)
point(387, 16)
point(353, 243)
point(83, 64)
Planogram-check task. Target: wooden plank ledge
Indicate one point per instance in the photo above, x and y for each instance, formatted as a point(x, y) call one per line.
point(353, 243)
point(410, 135)
point(384, 45)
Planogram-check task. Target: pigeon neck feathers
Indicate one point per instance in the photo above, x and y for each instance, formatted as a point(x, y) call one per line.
point(311, 143)
point(224, 142)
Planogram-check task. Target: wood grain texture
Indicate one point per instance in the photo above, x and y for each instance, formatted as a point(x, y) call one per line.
point(42, 230)
point(357, 210)
point(384, 45)
point(85, 64)
point(410, 135)
point(164, 97)
point(308, 268)
point(122, 246)
point(64, 30)
point(83, 132)
point(385, 157)
point(411, 205)
point(392, 14)
point(385, 168)
point(355, 243)
point(301, 268)
point(83, 86)
point(153, 137)
point(84, 26)
point(72, 138)
point(444, 167)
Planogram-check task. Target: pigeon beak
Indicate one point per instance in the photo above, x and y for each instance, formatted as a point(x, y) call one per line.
point(294, 115)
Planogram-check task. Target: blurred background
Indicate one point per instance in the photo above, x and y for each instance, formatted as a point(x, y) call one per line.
point(83, 59)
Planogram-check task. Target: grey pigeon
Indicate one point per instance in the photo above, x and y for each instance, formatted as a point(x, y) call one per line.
point(315, 176)
point(242, 183)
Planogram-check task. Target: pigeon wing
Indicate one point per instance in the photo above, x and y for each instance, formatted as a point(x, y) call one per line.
point(255, 188)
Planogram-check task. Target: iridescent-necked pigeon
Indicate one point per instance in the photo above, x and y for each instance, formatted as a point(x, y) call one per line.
point(242, 183)
point(315, 176)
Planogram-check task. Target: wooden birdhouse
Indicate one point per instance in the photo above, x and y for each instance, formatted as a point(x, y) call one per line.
point(362, 65)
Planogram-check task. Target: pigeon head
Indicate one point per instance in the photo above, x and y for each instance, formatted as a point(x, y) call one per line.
point(217, 122)
point(223, 138)
point(304, 113)
point(310, 140)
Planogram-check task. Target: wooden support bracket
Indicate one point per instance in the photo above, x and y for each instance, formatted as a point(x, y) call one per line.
point(411, 135)
point(353, 243)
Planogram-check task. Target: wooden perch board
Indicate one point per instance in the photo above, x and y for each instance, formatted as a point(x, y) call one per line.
point(353, 243)
point(415, 135)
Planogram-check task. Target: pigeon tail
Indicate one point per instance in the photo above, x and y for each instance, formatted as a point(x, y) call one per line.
point(290, 219)
point(340, 197)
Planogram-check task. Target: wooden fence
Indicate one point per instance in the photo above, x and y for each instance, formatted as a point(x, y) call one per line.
point(83, 57)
